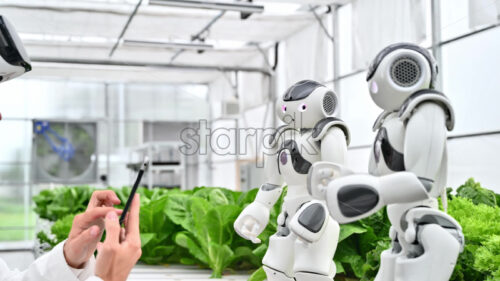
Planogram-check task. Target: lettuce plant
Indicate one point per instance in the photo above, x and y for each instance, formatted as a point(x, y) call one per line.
point(195, 227)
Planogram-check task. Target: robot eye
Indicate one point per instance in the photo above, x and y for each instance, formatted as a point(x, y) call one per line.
point(283, 108)
point(302, 107)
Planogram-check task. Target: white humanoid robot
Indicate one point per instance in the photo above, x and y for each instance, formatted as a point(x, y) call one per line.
point(304, 252)
point(408, 167)
point(13, 58)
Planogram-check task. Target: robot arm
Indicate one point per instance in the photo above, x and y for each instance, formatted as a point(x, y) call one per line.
point(425, 143)
point(334, 137)
point(351, 197)
point(255, 217)
point(334, 146)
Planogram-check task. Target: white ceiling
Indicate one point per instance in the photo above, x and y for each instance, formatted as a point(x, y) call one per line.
point(87, 30)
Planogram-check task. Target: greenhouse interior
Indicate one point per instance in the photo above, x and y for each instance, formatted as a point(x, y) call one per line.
point(280, 140)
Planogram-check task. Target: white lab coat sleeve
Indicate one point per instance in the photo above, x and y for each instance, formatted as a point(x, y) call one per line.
point(50, 267)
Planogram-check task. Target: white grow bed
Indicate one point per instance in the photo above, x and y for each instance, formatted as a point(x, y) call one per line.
point(177, 273)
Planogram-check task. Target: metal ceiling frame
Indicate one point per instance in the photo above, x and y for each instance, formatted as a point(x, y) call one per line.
point(168, 44)
point(129, 20)
point(211, 5)
point(150, 65)
point(197, 36)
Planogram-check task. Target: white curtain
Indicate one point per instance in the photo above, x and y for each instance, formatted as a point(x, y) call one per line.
point(305, 55)
point(483, 12)
point(378, 23)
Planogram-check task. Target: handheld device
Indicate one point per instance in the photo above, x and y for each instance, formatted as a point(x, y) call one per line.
point(134, 189)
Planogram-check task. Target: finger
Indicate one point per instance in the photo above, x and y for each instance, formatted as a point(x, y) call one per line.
point(255, 231)
point(132, 226)
point(85, 241)
point(122, 234)
point(91, 216)
point(256, 240)
point(249, 235)
point(112, 226)
point(99, 246)
point(104, 198)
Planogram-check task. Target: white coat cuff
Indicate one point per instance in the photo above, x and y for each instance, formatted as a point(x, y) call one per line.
point(53, 265)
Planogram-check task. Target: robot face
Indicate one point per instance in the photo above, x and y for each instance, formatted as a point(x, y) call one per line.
point(13, 58)
point(306, 103)
point(397, 72)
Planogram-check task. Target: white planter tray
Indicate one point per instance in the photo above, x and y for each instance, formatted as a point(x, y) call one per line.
point(177, 273)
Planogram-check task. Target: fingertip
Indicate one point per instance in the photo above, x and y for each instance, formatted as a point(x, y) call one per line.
point(114, 198)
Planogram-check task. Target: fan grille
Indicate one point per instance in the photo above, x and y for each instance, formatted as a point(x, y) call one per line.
point(405, 72)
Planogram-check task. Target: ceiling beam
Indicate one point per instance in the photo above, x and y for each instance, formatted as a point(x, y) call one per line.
point(210, 5)
point(96, 62)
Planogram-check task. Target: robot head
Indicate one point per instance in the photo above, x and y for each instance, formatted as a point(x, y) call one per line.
point(398, 71)
point(13, 58)
point(305, 103)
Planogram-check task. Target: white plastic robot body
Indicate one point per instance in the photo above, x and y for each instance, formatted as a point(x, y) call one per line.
point(13, 58)
point(407, 169)
point(425, 247)
point(306, 239)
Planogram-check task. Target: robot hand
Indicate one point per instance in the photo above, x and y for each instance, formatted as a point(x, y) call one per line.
point(321, 174)
point(252, 221)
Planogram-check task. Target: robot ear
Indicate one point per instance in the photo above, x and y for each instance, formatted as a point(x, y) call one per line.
point(406, 71)
point(330, 102)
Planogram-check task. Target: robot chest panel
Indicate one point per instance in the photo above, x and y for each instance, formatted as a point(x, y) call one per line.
point(296, 155)
point(388, 147)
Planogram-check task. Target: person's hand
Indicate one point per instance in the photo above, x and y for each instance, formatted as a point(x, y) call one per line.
point(120, 251)
point(88, 227)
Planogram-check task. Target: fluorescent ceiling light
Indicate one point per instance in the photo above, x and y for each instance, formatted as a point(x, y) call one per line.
point(212, 5)
point(169, 45)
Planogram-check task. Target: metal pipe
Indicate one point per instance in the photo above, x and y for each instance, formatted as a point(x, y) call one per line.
point(436, 38)
point(168, 45)
point(320, 22)
point(148, 65)
point(129, 20)
point(211, 5)
point(197, 36)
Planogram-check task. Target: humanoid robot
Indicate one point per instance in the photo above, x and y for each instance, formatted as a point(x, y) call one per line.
point(408, 166)
point(13, 58)
point(310, 134)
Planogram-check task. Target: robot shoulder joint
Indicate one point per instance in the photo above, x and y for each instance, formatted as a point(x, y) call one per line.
point(324, 124)
point(428, 95)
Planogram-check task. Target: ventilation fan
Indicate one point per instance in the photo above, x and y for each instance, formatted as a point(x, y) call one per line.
point(64, 152)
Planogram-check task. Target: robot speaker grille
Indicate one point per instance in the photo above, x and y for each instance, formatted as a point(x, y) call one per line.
point(329, 103)
point(405, 71)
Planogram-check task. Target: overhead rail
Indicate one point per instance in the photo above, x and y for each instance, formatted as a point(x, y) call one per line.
point(149, 65)
point(211, 5)
point(168, 44)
